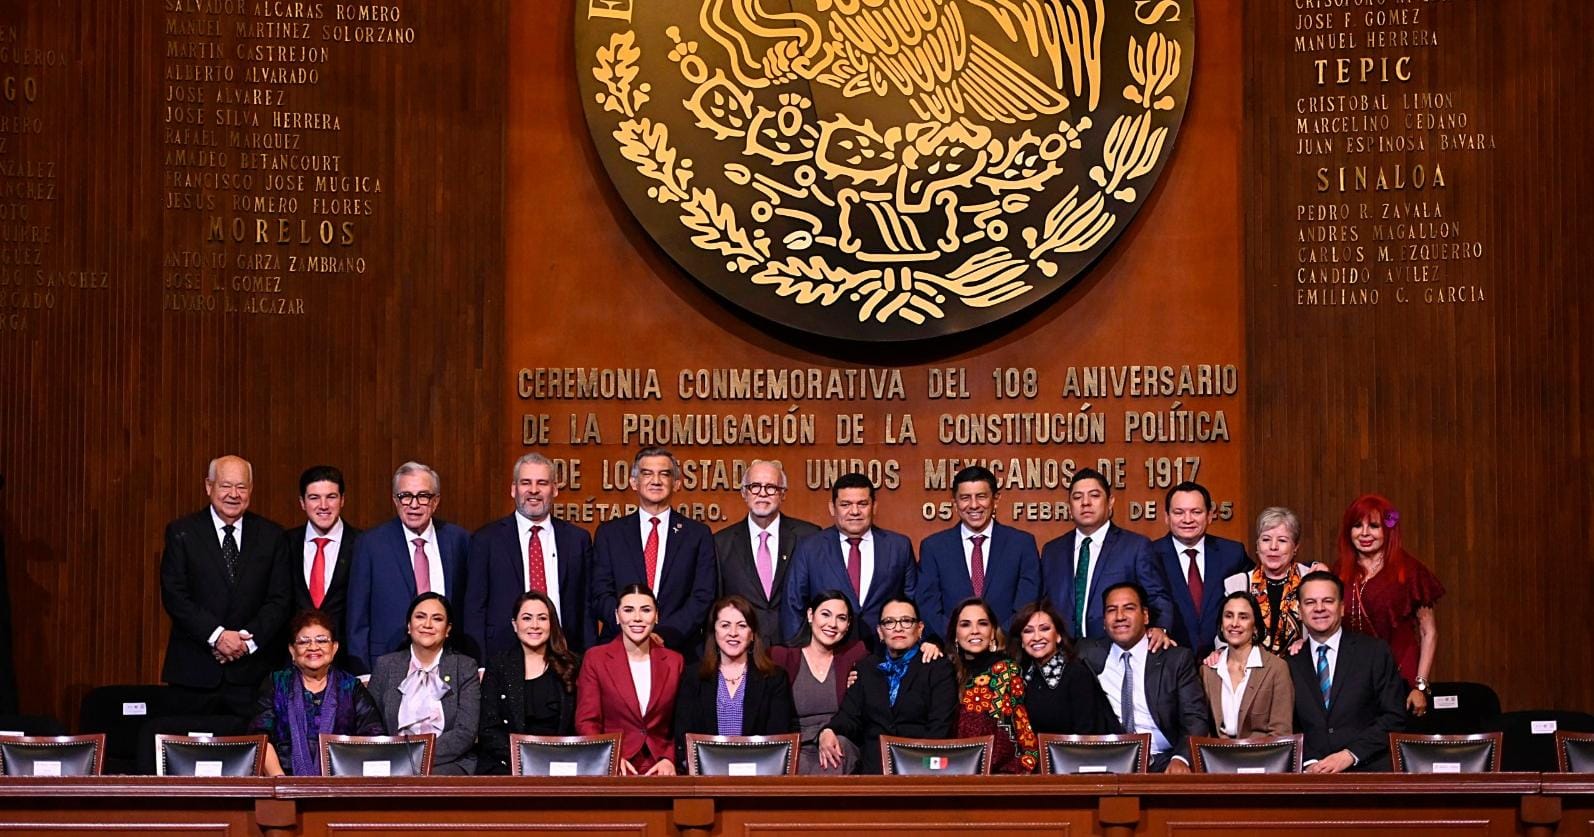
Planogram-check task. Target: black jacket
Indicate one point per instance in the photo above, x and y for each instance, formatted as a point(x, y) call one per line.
point(199, 597)
point(766, 707)
point(503, 710)
point(1367, 701)
point(927, 707)
point(1173, 693)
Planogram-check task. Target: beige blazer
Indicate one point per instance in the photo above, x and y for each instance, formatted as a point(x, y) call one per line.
point(1268, 705)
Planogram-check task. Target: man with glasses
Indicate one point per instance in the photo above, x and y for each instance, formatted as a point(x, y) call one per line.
point(404, 557)
point(898, 692)
point(227, 595)
point(318, 553)
point(661, 549)
point(755, 552)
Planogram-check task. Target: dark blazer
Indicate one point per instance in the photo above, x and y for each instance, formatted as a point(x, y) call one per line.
point(819, 565)
point(1012, 575)
point(1268, 703)
point(1197, 629)
point(336, 602)
point(382, 585)
point(504, 710)
point(766, 707)
point(847, 657)
point(452, 754)
point(686, 585)
point(927, 707)
point(1076, 707)
point(199, 598)
point(1126, 556)
point(1367, 701)
point(1173, 692)
point(496, 576)
point(606, 702)
point(739, 571)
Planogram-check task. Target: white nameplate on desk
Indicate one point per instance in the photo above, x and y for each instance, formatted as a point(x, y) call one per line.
point(201, 734)
point(1447, 701)
point(743, 768)
point(1543, 727)
point(1447, 767)
point(46, 768)
point(376, 768)
point(207, 768)
point(1092, 768)
point(563, 768)
point(132, 708)
point(1250, 770)
point(16, 732)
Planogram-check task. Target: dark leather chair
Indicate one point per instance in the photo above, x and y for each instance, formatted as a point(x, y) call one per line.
point(1280, 754)
point(121, 713)
point(936, 756)
point(1063, 755)
point(1575, 751)
point(181, 725)
point(54, 755)
point(376, 755)
point(1530, 737)
point(209, 755)
point(564, 755)
point(741, 755)
point(35, 725)
point(1458, 708)
point(1415, 753)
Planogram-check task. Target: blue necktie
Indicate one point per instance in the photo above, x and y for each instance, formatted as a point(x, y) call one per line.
point(1126, 694)
point(1324, 682)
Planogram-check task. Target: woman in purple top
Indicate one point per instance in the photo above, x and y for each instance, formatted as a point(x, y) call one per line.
point(737, 689)
point(310, 697)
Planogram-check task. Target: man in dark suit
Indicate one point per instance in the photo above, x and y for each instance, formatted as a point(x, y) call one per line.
point(755, 552)
point(226, 593)
point(1077, 567)
point(1349, 695)
point(669, 553)
point(411, 554)
point(898, 692)
point(318, 554)
point(977, 557)
point(1151, 691)
point(871, 565)
point(528, 550)
point(1194, 565)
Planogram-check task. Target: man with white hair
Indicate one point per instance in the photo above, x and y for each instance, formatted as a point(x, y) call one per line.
point(411, 554)
point(755, 552)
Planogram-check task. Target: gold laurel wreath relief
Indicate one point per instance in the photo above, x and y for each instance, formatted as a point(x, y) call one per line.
point(869, 175)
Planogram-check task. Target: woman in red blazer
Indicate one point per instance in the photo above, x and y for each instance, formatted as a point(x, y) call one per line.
point(628, 686)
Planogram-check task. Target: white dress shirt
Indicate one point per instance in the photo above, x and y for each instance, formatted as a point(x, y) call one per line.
point(866, 550)
point(774, 539)
point(221, 540)
point(434, 558)
point(646, 520)
point(334, 538)
point(1097, 538)
point(1112, 680)
point(1234, 693)
point(550, 557)
point(985, 547)
point(1332, 644)
point(1200, 548)
point(642, 680)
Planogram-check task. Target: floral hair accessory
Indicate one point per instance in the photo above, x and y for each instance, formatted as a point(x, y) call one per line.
point(1391, 518)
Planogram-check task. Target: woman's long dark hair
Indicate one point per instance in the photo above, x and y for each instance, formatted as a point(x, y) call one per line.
point(757, 654)
point(556, 652)
point(960, 665)
point(806, 634)
point(1015, 629)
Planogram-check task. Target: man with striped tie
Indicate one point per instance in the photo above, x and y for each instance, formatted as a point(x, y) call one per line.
point(1348, 693)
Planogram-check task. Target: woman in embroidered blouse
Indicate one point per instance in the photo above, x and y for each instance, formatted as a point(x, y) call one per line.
point(429, 688)
point(1275, 581)
point(310, 697)
point(991, 689)
point(737, 689)
point(1248, 687)
point(1061, 695)
point(628, 686)
point(529, 689)
point(1389, 594)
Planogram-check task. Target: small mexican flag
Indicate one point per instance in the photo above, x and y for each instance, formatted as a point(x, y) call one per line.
point(937, 762)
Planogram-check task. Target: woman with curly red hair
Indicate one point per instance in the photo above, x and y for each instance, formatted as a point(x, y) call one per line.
point(1389, 594)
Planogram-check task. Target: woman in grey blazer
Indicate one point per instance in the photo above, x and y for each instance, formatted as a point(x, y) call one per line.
point(428, 687)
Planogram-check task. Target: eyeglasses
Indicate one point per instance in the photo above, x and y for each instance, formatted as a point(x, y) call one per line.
point(424, 498)
point(309, 641)
point(902, 622)
point(763, 489)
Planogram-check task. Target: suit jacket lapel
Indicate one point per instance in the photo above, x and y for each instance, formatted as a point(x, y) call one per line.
point(1098, 560)
point(746, 560)
point(1342, 668)
point(656, 687)
point(788, 541)
point(1178, 580)
point(1251, 687)
point(404, 555)
point(672, 548)
point(564, 555)
point(514, 696)
point(838, 564)
point(632, 532)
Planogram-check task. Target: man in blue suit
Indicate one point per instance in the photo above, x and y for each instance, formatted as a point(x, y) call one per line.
point(528, 550)
point(670, 553)
point(869, 564)
point(1194, 565)
point(1077, 568)
point(411, 554)
point(977, 557)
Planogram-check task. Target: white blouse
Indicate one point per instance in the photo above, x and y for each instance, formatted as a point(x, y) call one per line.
point(1234, 693)
point(642, 679)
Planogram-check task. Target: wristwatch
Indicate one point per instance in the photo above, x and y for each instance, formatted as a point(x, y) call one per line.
point(1422, 684)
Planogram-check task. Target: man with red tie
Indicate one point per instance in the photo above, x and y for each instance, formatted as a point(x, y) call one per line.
point(1194, 564)
point(528, 550)
point(978, 557)
point(318, 554)
point(660, 548)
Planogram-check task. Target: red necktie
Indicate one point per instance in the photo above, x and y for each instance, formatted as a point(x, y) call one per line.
point(977, 566)
point(855, 566)
point(536, 573)
point(318, 572)
point(650, 552)
point(1193, 579)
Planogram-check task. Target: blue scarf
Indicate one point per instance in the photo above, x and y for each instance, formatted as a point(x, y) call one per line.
point(896, 669)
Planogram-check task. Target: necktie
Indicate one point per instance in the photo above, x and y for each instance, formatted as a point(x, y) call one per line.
point(1081, 578)
point(977, 566)
point(536, 573)
point(855, 566)
point(1126, 694)
point(650, 551)
point(229, 552)
point(423, 567)
point(318, 572)
point(766, 565)
point(1324, 681)
point(1193, 579)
